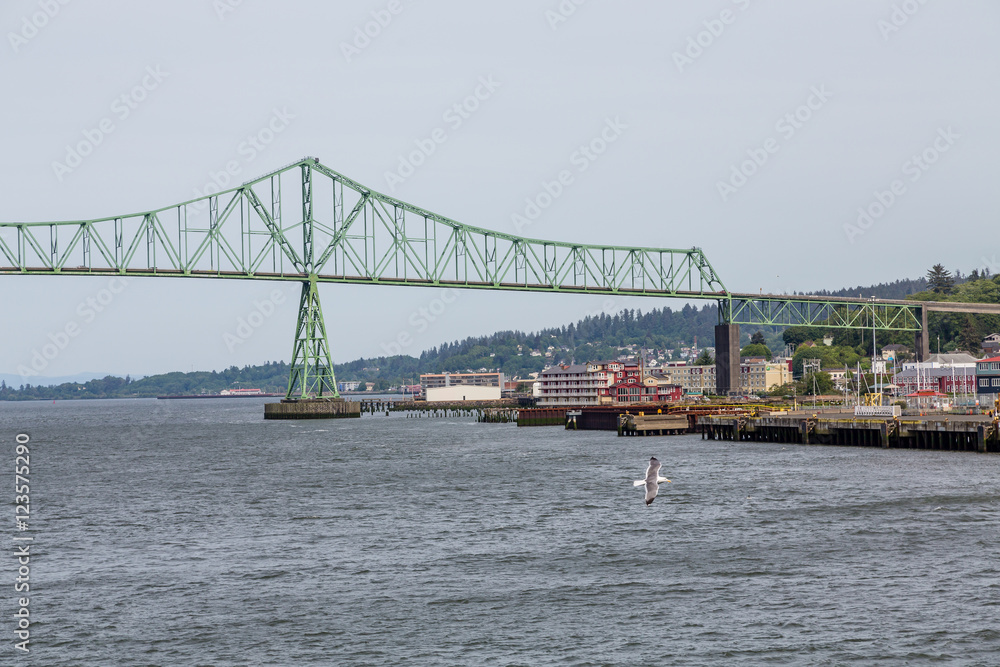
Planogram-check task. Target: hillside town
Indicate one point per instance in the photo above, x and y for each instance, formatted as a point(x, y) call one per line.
point(652, 376)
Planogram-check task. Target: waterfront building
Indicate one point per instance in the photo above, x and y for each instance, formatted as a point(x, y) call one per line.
point(945, 380)
point(988, 380)
point(649, 390)
point(758, 376)
point(462, 392)
point(436, 380)
point(454, 387)
point(991, 344)
point(955, 360)
point(692, 379)
point(616, 370)
point(571, 385)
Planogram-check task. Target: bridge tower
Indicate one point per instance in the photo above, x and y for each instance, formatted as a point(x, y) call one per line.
point(312, 367)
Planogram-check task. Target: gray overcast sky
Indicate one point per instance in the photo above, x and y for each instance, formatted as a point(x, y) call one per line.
point(696, 89)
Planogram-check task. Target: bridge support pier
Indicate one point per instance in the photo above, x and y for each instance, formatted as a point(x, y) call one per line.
point(727, 359)
point(312, 386)
point(922, 343)
point(312, 368)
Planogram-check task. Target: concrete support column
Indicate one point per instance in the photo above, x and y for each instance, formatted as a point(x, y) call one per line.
point(922, 343)
point(727, 358)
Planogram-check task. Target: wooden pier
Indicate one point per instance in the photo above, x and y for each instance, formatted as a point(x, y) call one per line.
point(935, 432)
point(501, 411)
point(652, 418)
point(542, 417)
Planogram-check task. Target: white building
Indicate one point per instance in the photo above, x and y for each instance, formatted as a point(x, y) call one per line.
point(462, 392)
point(960, 360)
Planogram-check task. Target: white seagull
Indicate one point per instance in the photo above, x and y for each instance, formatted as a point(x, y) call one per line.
point(652, 481)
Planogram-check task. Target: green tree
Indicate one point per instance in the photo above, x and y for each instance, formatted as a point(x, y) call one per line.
point(758, 339)
point(970, 338)
point(816, 383)
point(704, 359)
point(787, 389)
point(798, 335)
point(940, 280)
point(756, 350)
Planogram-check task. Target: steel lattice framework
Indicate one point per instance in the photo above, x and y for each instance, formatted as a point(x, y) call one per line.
point(844, 313)
point(349, 234)
point(306, 222)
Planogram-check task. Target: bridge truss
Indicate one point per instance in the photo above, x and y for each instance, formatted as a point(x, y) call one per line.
point(308, 223)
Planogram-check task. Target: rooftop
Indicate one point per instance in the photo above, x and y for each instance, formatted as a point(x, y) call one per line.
point(955, 358)
point(573, 369)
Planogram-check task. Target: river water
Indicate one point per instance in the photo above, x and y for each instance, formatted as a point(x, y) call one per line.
point(195, 533)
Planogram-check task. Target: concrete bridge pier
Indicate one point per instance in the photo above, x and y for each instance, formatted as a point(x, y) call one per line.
point(727, 359)
point(921, 342)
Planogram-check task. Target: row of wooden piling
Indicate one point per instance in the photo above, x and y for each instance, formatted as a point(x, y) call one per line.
point(930, 434)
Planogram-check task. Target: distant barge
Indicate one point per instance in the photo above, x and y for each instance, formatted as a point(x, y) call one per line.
point(229, 393)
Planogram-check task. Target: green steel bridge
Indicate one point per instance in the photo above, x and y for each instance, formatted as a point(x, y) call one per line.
point(308, 223)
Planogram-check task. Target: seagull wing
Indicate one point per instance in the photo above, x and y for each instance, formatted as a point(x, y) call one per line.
point(654, 467)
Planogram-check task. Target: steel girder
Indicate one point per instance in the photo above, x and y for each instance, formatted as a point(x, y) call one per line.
point(819, 312)
point(350, 234)
point(353, 234)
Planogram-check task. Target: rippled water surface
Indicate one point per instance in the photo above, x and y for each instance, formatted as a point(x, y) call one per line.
point(195, 533)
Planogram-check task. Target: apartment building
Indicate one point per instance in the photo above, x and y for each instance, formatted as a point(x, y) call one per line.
point(571, 385)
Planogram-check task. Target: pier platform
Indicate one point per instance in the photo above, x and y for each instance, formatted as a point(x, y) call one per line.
point(966, 433)
point(314, 408)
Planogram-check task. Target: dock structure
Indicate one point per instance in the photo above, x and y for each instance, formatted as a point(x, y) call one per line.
point(317, 408)
point(609, 417)
point(629, 424)
point(964, 433)
point(542, 416)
